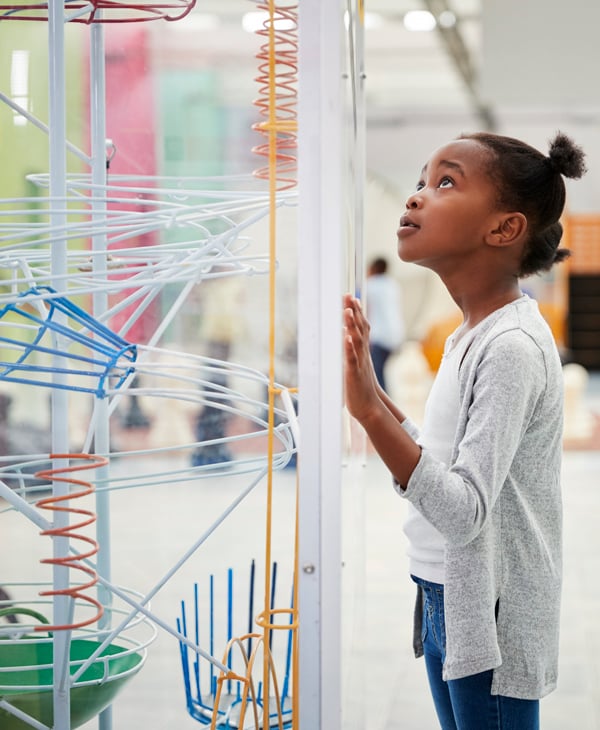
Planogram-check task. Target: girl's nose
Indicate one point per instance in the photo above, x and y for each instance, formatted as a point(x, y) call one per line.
point(413, 200)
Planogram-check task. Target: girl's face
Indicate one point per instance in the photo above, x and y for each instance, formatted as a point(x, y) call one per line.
point(452, 209)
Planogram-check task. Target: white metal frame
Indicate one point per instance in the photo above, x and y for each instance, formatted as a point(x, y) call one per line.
point(320, 278)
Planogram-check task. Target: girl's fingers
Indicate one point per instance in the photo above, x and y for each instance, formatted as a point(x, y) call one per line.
point(356, 328)
point(353, 312)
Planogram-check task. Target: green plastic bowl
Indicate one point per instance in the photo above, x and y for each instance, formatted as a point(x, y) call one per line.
point(93, 691)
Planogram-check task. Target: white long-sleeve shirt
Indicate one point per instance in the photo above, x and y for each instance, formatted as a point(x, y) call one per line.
point(426, 545)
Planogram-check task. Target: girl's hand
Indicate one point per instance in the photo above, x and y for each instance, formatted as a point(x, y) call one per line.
point(361, 386)
point(368, 402)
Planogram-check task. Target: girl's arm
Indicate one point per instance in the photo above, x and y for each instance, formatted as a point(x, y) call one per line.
point(369, 404)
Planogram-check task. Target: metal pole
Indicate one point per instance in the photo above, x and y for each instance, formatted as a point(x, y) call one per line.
point(100, 305)
point(60, 401)
point(320, 267)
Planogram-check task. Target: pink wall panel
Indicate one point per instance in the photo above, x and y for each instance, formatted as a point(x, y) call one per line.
point(131, 125)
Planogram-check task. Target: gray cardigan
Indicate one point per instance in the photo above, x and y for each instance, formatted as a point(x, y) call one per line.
point(499, 507)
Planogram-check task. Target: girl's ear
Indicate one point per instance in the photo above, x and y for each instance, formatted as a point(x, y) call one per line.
point(511, 229)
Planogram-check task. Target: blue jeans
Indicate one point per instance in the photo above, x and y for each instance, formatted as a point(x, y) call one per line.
point(467, 703)
point(379, 356)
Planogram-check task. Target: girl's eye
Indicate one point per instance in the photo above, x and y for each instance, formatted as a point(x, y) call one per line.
point(446, 182)
point(420, 186)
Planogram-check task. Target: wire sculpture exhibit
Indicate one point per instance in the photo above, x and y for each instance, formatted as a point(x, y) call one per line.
point(59, 264)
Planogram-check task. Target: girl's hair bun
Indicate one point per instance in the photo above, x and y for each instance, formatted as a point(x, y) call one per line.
point(566, 157)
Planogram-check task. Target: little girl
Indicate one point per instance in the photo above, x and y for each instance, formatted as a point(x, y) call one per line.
point(483, 476)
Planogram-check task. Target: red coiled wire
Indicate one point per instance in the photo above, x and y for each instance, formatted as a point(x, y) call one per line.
point(74, 562)
point(278, 93)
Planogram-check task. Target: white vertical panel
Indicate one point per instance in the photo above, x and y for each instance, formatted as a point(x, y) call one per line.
point(320, 264)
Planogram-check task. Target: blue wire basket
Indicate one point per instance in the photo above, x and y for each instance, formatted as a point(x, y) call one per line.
point(200, 675)
point(53, 343)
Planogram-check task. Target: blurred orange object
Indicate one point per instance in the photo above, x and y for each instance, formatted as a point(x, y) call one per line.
point(556, 317)
point(435, 338)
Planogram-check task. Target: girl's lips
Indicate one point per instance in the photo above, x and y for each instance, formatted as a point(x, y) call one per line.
point(406, 224)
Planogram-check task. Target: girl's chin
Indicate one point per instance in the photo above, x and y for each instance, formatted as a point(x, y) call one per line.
point(405, 254)
point(411, 257)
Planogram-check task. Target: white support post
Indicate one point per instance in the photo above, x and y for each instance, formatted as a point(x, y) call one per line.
point(99, 307)
point(320, 276)
point(60, 400)
point(357, 148)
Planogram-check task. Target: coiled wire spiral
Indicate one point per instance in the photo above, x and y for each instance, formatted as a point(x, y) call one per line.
point(277, 102)
point(73, 561)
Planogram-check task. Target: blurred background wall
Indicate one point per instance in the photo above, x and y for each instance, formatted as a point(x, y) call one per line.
point(179, 102)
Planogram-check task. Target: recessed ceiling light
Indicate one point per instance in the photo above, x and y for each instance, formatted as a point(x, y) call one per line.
point(419, 20)
point(255, 20)
point(373, 20)
point(447, 19)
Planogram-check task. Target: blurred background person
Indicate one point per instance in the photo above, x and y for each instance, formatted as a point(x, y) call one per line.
point(220, 325)
point(385, 315)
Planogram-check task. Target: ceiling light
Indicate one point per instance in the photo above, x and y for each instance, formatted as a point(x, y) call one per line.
point(419, 20)
point(254, 20)
point(257, 19)
point(373, 20)
point(447, 19)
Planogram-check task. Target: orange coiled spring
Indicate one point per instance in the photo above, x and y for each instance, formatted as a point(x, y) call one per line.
point(54, 503)
point(278, 93)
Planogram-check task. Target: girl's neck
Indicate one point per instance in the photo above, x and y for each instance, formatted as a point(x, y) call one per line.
point(479, 301)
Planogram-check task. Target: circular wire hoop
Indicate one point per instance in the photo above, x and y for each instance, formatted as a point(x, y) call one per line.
point(101, 11)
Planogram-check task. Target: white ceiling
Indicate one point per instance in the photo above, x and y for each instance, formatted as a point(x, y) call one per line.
point(404, 69)
point(413, 71)
point(425, 87)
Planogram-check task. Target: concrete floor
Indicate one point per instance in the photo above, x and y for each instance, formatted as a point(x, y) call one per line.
point(384, 686)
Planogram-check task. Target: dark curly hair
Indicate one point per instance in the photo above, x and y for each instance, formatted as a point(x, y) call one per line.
point(531, 183)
